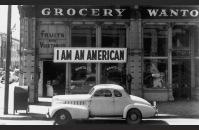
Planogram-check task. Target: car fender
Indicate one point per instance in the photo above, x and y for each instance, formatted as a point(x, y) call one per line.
point(146, 110)
point(76, 111)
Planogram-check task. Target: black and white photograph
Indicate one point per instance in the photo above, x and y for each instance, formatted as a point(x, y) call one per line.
point(121, 63)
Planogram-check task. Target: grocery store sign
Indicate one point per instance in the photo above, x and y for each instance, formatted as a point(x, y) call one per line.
point(89, 55)
point(120, 12)
point(169, 12)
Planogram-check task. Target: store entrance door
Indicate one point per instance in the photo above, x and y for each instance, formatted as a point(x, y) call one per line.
point(54, 74)
point(181, 69)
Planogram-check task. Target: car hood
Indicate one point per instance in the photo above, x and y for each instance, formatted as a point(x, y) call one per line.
point(136, 99)
point(74, 97)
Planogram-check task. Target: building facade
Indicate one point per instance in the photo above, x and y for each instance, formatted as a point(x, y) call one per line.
point(15, 55)
point(152, 51)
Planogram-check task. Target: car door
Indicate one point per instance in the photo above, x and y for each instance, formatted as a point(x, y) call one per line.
point(120, 102)
point(102, 103)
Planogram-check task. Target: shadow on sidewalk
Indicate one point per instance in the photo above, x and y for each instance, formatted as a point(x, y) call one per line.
point(179, 109)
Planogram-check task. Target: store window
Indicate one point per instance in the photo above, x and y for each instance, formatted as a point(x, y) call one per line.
point(83, 75)
point(155, 73)
point(155, 45)
point(113, 36)
point(155, 41)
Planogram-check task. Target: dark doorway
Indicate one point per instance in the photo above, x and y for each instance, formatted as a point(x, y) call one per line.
point(181, 79)
point(56, 74)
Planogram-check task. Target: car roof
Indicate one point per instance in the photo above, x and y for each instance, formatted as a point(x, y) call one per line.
point(108, 86)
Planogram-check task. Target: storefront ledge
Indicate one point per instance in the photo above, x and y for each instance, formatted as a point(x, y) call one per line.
point(156, 94)
point(195, 94)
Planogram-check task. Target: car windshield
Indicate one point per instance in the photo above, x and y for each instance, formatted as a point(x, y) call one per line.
point(91, 91)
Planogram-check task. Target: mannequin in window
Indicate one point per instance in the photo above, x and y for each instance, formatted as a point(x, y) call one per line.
point(157, 80)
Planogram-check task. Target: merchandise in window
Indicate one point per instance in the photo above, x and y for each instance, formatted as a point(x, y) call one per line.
point(155, 73)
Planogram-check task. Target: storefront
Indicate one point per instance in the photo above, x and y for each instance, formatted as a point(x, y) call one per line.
point(170, 47)
point(75, 47)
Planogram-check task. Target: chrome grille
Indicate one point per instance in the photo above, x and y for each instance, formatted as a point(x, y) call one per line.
point(76, 102)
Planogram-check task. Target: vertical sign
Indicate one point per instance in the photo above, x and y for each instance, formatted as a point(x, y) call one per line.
point(50, 36)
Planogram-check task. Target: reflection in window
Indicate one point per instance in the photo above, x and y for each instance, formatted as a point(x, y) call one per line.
point(83, 36)
point(155, 41)
point(180, 37)
point(155, 73)
point(83, 75)
point(113, 73)
point(113, 36)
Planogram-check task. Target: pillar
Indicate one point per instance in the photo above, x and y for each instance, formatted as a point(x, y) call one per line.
point(134, 63)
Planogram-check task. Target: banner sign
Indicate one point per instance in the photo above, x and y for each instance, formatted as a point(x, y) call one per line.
point(89, 55)
point(101, 12)
point(169, 12)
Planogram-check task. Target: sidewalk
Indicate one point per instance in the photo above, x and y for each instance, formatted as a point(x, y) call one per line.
point(36, 111)
point(183, 108)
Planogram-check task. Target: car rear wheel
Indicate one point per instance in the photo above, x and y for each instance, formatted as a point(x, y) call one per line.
point(62, 117)
point(134, 116)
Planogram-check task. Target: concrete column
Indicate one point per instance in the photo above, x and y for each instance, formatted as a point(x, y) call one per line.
point(28, 64)
point(134, 64)
point(170, 90)
point(98, 44)
point(68, 66)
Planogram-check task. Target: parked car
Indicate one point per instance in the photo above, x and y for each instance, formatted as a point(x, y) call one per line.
point(12, 78)
point(103, 100)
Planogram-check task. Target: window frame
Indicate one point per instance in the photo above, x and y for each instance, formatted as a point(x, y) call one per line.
point(103, 93)
point(121, 95)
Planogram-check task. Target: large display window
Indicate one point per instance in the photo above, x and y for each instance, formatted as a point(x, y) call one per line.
point(83, 75)
point(155, 47)
point(113, 36)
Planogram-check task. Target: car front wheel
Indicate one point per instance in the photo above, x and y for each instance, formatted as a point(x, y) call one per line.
point(134, 116)
point(62, 117)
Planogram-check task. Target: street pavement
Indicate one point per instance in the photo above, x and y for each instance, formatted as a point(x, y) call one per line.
point(184, 112)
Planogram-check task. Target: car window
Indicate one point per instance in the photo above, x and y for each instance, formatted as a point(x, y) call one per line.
point(117, 93)
point(103, 93)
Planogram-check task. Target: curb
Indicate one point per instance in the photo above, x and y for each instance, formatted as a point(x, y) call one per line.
point(23, 117)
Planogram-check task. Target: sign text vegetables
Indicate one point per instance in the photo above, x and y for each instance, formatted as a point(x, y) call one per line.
point(85, 55)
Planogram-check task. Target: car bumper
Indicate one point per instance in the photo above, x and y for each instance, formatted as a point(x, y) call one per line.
point(156, 111)
point(48, 115)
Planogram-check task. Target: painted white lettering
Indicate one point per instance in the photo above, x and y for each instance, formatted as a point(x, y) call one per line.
point(174, 12)
point(58, 11)
point(83, 11)
point(184, 12)
point(46, 11)
point(108, 12)
point(194, 13)
point(71, 12)
point(163, 13)
point(153, 12)
point(120, 11)
point(95, 12)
